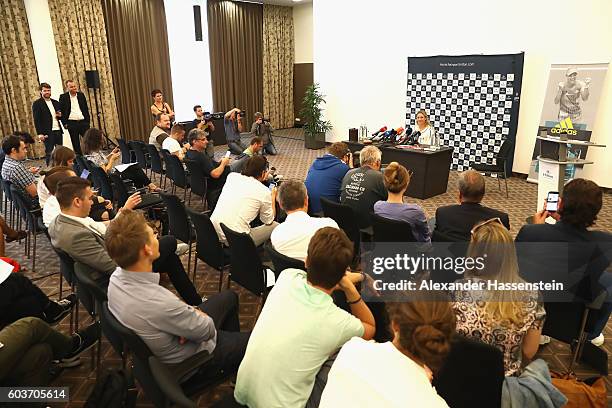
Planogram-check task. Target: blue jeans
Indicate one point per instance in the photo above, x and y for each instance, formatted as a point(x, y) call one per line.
point(270, 149)
point(603, 314)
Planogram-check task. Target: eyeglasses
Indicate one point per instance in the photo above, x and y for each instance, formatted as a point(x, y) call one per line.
point(489, 221)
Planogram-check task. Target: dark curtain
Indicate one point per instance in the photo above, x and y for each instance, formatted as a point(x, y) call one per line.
point(138, 45)
point(235, 32)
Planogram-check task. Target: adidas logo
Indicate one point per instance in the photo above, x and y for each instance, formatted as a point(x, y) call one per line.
point(565, 126)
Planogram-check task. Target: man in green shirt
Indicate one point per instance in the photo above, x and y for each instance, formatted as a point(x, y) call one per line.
point(300, 326)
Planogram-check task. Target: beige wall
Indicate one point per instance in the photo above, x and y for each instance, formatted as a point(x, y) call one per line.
point(302, 23)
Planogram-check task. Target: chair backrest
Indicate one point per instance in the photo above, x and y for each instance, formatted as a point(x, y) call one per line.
point(82, 163)
point(563, 320)
point(25, 205)
point(126, 154)
point(120, 189)
point(208, 246)
point(66, 265)
point(156, 161)
point(169, 385)
point(89, 292)
point(180, 226)
point(472, 375)
point(388, 230)
point(177, 171)
point(102, 182)
point(165, 154)
point(198, 181)
point(280, 261)
point(345, 218)
point(246, 267)
point(139, 149)
point(6, 188)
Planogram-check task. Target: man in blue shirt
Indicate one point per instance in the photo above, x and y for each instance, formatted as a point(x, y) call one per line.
point(233, 126)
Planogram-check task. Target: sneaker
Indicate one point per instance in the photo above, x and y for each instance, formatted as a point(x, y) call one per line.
point(83, 340)
point(544, 339)
point(68, 362)
point(68, 301)
point(182, 249)
point(58, 317)
point(599, 340)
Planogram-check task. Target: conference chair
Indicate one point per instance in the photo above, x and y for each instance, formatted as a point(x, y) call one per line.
point(157, 166)
point(208, 247)
point(80, 164)
point(180, 226)
point(388, 230)
point(176, 172)
point(121, 193)
point(280, 261)
point(33, 221)
point(346, 220)
point(198, 181)
point(126, 152)
point(66, 269)
point(102, 181)
point(140, 151)
point(499, 168)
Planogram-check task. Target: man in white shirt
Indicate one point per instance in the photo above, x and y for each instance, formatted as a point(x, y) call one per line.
point(291, 238)
point(160, 131)
point(76, 114)
point(243, 198)
point(173, 143)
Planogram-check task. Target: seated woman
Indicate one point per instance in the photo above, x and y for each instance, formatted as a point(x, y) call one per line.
point(396, 179)
point(397, 373)
point(509, 320)
point(92, 145)
point(60, 156)
point(423, 126)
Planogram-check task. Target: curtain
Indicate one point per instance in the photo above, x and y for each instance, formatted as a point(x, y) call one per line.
point(236, 38)
point(138, 45)
point(278, 59)
point(80, 40)
point(18, 76)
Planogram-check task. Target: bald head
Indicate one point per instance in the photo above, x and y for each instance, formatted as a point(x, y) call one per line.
point(471, 186)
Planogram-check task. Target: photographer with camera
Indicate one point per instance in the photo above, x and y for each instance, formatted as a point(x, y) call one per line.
point(232, 121)
point(263, 129)
point(203, 121)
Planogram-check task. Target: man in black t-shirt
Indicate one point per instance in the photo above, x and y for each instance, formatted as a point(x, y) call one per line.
point(215, 171)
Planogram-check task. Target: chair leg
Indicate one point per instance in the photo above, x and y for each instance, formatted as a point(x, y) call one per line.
point(220, 279)
point(34, 253)
point(506, 182)
point(195, 267)
point(189, 256)
point(61, 282)
point(498, 182)
point(580, 341)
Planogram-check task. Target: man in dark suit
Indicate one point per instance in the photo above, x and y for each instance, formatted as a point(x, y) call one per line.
point(75, 114)
point(455, 222)
point(581, 265)
point(47, 114)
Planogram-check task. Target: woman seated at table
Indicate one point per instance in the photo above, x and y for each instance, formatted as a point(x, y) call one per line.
point(159, 106)
point(423, 126)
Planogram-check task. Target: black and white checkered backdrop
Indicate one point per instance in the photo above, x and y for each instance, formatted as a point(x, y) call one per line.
point(472, 101)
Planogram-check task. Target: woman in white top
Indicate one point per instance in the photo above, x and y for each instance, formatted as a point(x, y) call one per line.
point(424, 127)
point(397, 373)
point(61, 156)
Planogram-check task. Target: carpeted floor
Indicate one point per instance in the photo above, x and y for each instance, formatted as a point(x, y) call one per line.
point(293, 162)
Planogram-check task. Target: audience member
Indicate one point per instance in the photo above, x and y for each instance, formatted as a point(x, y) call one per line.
point(291, 238)
point(92, 146)
point(456, 221)
point(397, 179)
point(254, 148)
point(590, 254)
point(61, 156)
point(29, 346)
point(232, 121)
point(300, 327)
point(510, 320)
point(364, 186)
point(83, 239)
point(159, 106)
point(396, 373)
point(10, 233)
point(15, 172)
point(160, 131)
point(173, 330)
point(244, 197)
point(75, 116)
point(215, 171)
point(47, 114)
point(263, 129)
point(325, 175)
point(173, 143)
point(204, 122)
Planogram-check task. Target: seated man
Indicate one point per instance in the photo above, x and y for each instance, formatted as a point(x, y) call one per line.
point(364, 186)
point(173, 143)
point(215, 171)
point(232, 121)
point(263, 129)
point(300, 327)
point(14, 171)
point(291, 237)
point(83, 239)
point(589, 254)
point(29, 346)
point(456, 221)
point(160, 131)
point(173, 330)
point(325, 175)
point(243, 199)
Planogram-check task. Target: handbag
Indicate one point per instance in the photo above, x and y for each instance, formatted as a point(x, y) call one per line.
point(590, 392)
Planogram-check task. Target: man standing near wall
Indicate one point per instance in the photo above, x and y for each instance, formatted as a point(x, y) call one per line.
point(47, 113)
point(75, 114)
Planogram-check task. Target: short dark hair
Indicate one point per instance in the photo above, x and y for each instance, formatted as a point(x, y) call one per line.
point(155, 92)
point(292, 195)
point(68, 80)
point(338, 149)
point(92, 141)
point(70, 188)
point(54, 175)
point(125, 237)
point(472, 185)
point(255, 166)
point(25, 136)
point(11, 142)
point(177, 128)
point(582, 201)
point(195, 108)
point(159, 116)
point(44, 85)
point(256, 140)
point(330, 252)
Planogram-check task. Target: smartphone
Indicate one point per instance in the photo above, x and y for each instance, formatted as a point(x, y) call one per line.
point(552, 201)
point(84, 174)
point(228, 153)
point(271, 186)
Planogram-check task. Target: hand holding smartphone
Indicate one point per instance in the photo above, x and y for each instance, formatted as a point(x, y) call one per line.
point(227, 154)
point(552, 201)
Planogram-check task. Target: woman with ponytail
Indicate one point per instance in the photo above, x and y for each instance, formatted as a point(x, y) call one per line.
point(397, 373)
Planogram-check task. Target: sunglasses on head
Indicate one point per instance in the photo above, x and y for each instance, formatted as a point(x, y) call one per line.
point(489, 221)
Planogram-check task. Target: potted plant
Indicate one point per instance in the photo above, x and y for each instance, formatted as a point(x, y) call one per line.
point(312, 116)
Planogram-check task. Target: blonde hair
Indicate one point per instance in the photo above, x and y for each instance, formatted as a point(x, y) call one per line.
point(494, 241)
point(396, 177)
point(422, 112)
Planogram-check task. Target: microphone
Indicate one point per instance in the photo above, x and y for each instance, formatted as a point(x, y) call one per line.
point(414, 137)
point(382, 130)
point(399, 133)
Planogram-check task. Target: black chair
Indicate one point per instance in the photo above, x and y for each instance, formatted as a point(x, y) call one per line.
point(81, 163)
point(33, 219)
point(198, 181)
point(165, 387)
point(180, 226)
point(388, 230)
point(347, 221)
point(246, 268)
point(102, 181)
point(177, 173)
point(280, 261)
point(500, 166)
point(126, 152)
point(208, 247)
point(140, 151)
point(9, 207)
point(464, 384)
point(122, 193)
point(157, 165)
point(66, 267)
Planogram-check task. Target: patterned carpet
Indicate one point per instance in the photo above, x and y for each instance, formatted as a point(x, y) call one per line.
point(293, 162)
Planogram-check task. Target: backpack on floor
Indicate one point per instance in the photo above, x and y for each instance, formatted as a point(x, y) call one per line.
point(113, 390)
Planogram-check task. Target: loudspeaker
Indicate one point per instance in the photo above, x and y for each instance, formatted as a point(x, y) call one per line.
point(197, 19)
point(353, 134)
point(93, 79)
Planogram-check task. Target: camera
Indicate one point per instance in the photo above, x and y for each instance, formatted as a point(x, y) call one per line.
point(207, 117)
point(242, 114)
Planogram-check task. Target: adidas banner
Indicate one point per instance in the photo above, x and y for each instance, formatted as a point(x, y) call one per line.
point(570, 106)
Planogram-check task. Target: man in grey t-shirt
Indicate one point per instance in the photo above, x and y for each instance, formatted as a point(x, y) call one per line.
point(233, 126)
